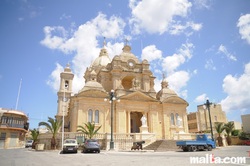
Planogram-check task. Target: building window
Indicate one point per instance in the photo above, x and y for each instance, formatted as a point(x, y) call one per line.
point(172, 119)
point(66, 84)
point(97, 116)
point(2, 136)
point(90, 116)
point(177, 119)
point(215, 118)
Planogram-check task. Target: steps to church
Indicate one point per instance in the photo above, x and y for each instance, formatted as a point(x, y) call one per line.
point(162, 145)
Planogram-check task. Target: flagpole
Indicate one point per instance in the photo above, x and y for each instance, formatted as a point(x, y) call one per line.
point(18, 94)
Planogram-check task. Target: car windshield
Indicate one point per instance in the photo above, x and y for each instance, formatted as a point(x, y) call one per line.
point(70, 141)
point(91, 140)
point(29, 141)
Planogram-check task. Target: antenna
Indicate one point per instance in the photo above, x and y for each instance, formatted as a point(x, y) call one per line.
point(17, 100)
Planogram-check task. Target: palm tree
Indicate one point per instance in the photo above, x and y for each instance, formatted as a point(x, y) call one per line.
point(229, 128)
point(34, 135)
point(53, 126)
point(89, 129)
point(219, 128)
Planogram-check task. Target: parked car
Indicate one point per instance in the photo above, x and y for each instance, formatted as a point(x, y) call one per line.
point(28, 143)
point(247, 142)
point(91, 145)
point(70, 145)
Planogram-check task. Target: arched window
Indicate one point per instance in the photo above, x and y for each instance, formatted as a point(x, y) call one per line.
point(66, 84)
point(96, 116)
point(177, 119)
point(90, 116)
point(172, 119)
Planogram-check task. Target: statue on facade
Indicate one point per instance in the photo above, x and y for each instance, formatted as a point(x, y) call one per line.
point(144, 121)
point(136, 84)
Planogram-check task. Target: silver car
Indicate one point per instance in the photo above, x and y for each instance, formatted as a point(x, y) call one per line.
point(28, 143)
point(91, 145)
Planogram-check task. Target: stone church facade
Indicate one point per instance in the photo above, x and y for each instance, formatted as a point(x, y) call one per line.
point(141, 109)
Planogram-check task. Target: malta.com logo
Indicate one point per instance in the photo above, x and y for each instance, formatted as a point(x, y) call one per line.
point(211, 159)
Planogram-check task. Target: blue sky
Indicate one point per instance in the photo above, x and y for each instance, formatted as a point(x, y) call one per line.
point(202, 46)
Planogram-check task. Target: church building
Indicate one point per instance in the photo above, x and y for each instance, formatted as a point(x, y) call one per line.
point(135, 107)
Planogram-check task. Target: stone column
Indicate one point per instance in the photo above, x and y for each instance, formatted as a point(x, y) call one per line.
point(128, 122)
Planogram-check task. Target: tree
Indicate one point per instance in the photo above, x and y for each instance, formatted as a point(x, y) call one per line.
point(235, 132)
point(219, 127)
point(229, 128)
point(89, 129)
point(53, 126)
point(34, 135)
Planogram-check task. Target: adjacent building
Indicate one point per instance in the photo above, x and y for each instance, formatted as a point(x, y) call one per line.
point(141, 109)
point(13, 127)
point(199, 121)
point(246, 123)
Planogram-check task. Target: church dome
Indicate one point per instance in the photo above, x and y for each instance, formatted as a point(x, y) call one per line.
point(103, 58)
point(127, 55)
point(92, 84)
point(165, 92)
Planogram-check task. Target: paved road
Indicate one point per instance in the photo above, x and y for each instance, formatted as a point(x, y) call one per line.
point(27, 157)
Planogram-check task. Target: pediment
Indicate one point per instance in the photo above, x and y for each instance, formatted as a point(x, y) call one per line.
point(139, 96)
point(175, 100)
point(92, 93)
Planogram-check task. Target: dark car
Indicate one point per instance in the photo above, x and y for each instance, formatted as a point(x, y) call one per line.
point(91, 145)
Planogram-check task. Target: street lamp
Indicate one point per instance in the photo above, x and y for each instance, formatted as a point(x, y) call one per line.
point(112, 98)
point(66, 85)
point(207, 106)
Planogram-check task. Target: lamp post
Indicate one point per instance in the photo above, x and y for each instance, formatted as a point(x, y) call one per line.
point(112, 98)
point(207, 106)
point(63, 104)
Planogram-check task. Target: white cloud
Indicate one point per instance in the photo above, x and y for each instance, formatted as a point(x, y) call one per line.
point(200, 4)
point(151, 53)
point(210, 65)
point(157, 85)
point(171, 63)
point(177, 81)
point(83, 43)
point(155, 16)
point(177, 28)
point(223, 50)
point(237, 89)
point(54, 78)
point(65, 16)
point(244, 27)
point(52, 41)
point(201, 99)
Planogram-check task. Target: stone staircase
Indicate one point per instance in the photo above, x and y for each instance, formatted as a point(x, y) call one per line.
point(162, 145)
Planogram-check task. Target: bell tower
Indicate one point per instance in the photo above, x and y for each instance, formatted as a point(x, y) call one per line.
point(65, 91)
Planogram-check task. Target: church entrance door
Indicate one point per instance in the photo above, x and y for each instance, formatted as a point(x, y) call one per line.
point(135, 122)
